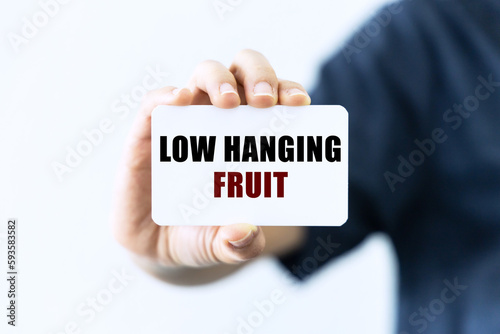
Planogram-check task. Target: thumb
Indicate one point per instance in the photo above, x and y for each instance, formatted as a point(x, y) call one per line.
point(238, 242)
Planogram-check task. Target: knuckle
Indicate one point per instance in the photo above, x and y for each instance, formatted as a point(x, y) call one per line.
point(206, 64)
point(149, 96)
point(263, 69)
point(153, 94)
point(264, 73)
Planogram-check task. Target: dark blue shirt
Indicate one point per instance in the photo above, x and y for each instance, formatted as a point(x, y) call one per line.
point(422, 87)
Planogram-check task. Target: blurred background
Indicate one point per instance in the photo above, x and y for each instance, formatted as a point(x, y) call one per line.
point(68, 67)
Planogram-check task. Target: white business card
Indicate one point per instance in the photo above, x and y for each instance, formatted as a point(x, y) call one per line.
point(275, 166)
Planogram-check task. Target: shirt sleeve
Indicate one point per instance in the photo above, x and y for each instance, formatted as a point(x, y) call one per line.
point(371, 81)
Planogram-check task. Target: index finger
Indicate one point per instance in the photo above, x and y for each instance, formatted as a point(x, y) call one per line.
point(252, 70)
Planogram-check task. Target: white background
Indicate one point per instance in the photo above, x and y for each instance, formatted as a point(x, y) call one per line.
point(180, 191)
point(65, 79)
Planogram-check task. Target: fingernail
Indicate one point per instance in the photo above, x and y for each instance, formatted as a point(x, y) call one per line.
point(263, 89)
point(246, 240)
point(227, 88)
point(295, 91)
point(176, 91)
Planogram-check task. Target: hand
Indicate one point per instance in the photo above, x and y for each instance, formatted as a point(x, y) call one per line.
point(250, 80)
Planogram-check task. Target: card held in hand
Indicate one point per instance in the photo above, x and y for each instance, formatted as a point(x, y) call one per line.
point(277, 166)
